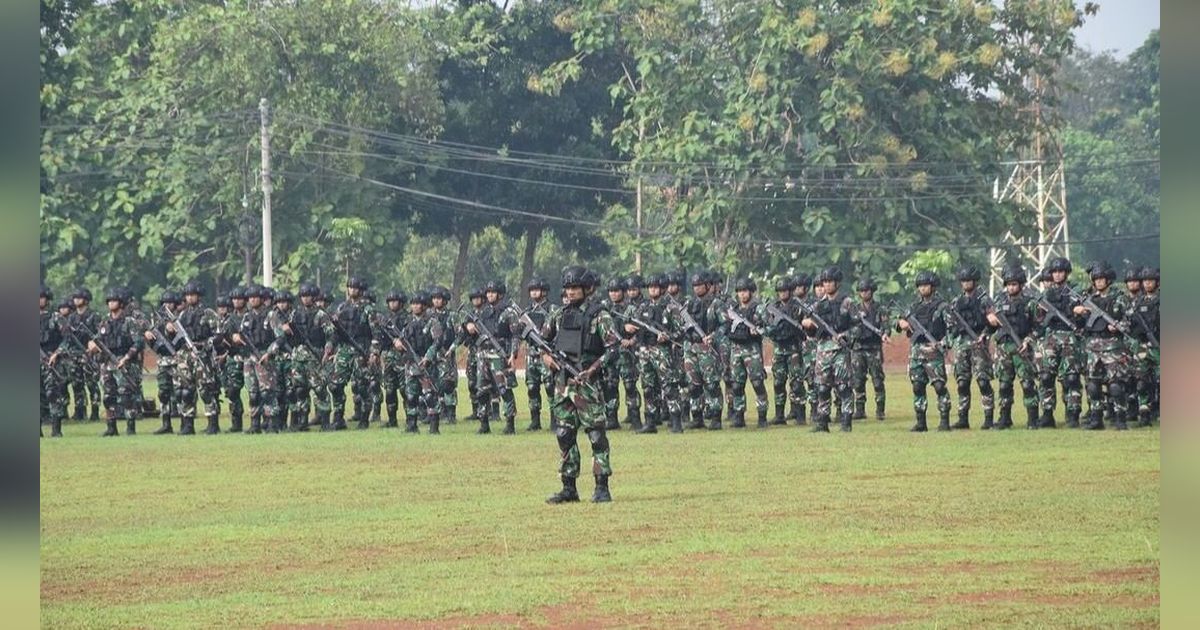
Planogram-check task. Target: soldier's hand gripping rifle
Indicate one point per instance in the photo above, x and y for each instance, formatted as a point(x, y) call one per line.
point(118, 376)
point(533, 337)
point(738, 320)
point(977, 338)
point(919, 327)
point(1045, 305)
point(1146, 327)
point(810, 311)
point(647, 326)
point(181, 332)
point(418, 362)
point(690, 323)
point(482, 330)
point(362, 352)
point(48, 361)
point(1007, 329)
point(862, 318)
point(1095, 312)
point(784, 317)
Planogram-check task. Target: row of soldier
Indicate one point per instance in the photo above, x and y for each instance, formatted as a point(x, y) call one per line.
point(678, 348)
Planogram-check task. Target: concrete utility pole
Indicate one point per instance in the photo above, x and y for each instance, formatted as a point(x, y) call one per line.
point(265, 141)
point(1038, 185)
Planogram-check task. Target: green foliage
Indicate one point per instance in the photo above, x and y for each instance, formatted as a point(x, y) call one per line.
point(938, 261)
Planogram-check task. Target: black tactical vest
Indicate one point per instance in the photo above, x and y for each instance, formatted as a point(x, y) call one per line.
point(1096, 326)
point(574, 337)
point(1145, 313)
point(116, 335)
point(971, 309)
point(1060, 297)
point(926, 313)
point(740, 333)
point(1016, 311)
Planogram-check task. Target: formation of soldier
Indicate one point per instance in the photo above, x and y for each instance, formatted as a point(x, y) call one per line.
point(683, 353)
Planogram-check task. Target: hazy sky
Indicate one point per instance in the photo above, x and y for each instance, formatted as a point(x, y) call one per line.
point(1121, 25)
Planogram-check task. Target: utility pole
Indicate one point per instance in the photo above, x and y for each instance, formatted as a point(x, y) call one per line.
point(637, 253)
point(1037, 184)
point(265, 142)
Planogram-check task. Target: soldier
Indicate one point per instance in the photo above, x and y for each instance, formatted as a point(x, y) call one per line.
point(1011, 315)
point(420, 339)
point(676, 280)
point(623, 365)
point(255, 339)
point(231, 364)
point(808, 344)
point(830, 319)
point(392, 359)
point(1058, 348)
point(743, 324)
point(537, 377)
point(140, 322)
point(700, 322)
point(372, 375)
point(348, 338)
point(84, 376)
point(167, 347)
point(55, 363)
point(196, 372)
point(492, 330)
point(1144, 317)
point(786, 372)
point(305, 326)
point(447, 365)
point(582, 334)
point(969, 340)
point(1107, 366)
point(648, 321)
point(925, 324)
point(119, 342)
point(476, 298)
point(1133, 294)
point(321, 391)
point(869, 334)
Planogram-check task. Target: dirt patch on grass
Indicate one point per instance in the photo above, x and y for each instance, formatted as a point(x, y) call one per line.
point(1054, 599)
point(1145, 573)
point(857, 590)
point(565, 616)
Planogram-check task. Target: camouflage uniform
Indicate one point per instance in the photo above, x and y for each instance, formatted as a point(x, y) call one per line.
point(167, 349)
point(698, 318)
point(787, 363)
point(660, 392)
point(808, 358)
point(537, 375)
point(866, 356)
point(927, 358)
point(196, 372)
point(1058, 357)
point(422, 337)
point(831, 361)
point(745, 356)
point(140, 322)
point(1014, 359)
point(84, 376)
point(348, 343)
point(447, 363)
point(56, 363)
point(495, 356)
point(259, 371)
point(1108, 363)
point(231, 365)
point(1144, 322)
point(393, 362)
point(121, 336)
point(972, 356)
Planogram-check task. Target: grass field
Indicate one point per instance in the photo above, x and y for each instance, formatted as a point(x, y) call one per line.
point(776, 528)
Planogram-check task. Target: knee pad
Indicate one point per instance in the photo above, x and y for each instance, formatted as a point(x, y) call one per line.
point(565, 436)
point(918, 388)
point(1116, 389)
point(599, 439)
point(1072, 382)
point(1047, 382)
point(940, 388)
point(1006, 390)
point(759, 387)
point(985, 388)
point(963, 384)
point(1093, 389)
point(824, 391)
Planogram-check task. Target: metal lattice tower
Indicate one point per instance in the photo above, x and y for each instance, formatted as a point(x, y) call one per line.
point(1037, 185)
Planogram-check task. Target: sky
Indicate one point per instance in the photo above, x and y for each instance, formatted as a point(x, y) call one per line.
point(1120, 26)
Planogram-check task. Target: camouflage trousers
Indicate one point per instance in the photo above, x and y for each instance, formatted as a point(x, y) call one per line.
point(234, 381)
point(392, 367)
point(164, 375)
point(623, 370)
point(702, 365)
point(472, 366)
point(973, 360)
point(368, 396)
point(660, 392)
point(808, 358)
point(1014, 364)
point(348, 367)
point(421, 394)
point(1145, 370)
point(491, 381)
point(84, 377)
point(302, 378)
point(1057, 357)
point(579, 407)
point(195, 379)
point(1108, 374)
point(122, 389)
point(787, 376)
point(262, 388)
point(448, 381)
point(927, 366)
point(831, 373)
point(746, 363)
point(675, 355)
point(867, 361)
point(538, 378)
point(53, 388)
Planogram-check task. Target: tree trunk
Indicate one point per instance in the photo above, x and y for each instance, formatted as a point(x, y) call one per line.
point(460, 263)
point(533, 234)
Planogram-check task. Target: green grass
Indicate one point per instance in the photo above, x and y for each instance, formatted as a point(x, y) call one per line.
point(738, 528)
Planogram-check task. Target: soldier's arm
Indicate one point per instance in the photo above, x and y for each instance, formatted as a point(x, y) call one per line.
point(436, 332)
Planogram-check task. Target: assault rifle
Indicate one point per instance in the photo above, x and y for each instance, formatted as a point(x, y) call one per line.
point(641, 323)
point(918, 327)
point(1053, 310)
point(1146, 327)
point(962, 322)
point(534, 338)
point(738, 320)
point(482, 330)
point(690, 323)
point(118, 376)
point(862, 318)
point(49, 365)
point(810, 311)
point(1007, 329)
point(1095, 312)
point(181, 332)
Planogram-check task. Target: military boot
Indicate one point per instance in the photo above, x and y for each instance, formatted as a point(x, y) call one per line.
point(651, 425)
point(166, 425)
point(879, 415)
point(1048, 421)
point(1095, 421)
point(988, 419)
point(1005, 420)
point(451, 414)
point(1036, 421)
point(676, 423)
point(963, 421)
point(323, 421)
point(213, 428)
point(535, 421)
point(846, 422)
point(235, 424)
point(697, 422)
point(1072, 416)
point(779, 417)
point(738, 420)
point(130, 426)
point(1119, 424)
point(434, 422)
point(568, 494)
point(601, 495)
point(509, 426)
point(714, 424)
point(860, 410)
point(111, 428)
point(339, 420)
point(95, 415)
point(187, 426)
point(635, 422)
point(364, 422)
point(799, 411)
point(410, 424)
point(943, 420)
point(762, 418)
point(79, 414)
point(920, 426)
point(255, 424)
point(484, 426)
point(610, 421)
point(56, 427)
point(820, 424)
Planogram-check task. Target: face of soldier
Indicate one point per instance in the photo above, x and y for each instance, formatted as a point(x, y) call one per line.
point(800, 292)
point(353, 293)
point(79, 302)
point(743, 295)
point(783, 295)
point(255, 302)
point(306, 300)
point(572, 295)
point(1100, 284)
point(1013, 288)
point(43, 303)
point(283, 306)
point(492, 298)
point(476, 302)
point(1150, 285)
point(1133, 286)
point(655, 291)
point(616, 295)
point(967, 285)
point(537, 295)
point(222, 311)
point(1058, 277)
point(113, 306)
point(925, 290)
point(829, 287)
point(565, 299)
point(416, 308)
point(192, 299)
point(438, 302)
point(699, 290)
point(866, 295)
point(393, 305)
point(239, 303)
point(64, 310)
point(819, 290)
point(633, 293)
